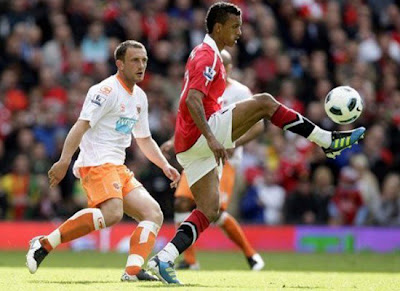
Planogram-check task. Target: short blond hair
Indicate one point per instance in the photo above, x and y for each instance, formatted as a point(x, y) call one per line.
point(120, 51)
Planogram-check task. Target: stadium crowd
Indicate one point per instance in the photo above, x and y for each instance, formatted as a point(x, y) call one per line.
point(52, 51)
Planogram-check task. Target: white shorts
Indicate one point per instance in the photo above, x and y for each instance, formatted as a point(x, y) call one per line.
point(199, 160)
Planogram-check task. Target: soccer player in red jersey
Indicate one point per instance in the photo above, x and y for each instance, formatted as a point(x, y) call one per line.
point(203, 132)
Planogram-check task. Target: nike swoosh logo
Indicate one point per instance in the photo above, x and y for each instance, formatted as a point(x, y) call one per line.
point(358, 109)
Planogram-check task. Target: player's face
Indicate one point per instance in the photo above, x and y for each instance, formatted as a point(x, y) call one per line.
point(231, 30)
point(134, 65)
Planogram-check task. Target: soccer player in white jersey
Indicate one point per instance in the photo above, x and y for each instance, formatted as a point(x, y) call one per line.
point(184, 201)
point(113, 110)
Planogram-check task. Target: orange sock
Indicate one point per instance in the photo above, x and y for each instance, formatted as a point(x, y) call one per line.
point(141, 243)
point(80, 224)
point(235, 233)
point(189, 255)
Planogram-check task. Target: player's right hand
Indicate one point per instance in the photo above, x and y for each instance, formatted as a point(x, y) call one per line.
point(57, 172)
point(219, 151)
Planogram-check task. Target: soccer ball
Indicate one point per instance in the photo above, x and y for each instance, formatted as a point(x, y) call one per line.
point(343, 104)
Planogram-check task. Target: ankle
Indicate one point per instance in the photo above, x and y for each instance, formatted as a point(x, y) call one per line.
point(168, 253)
point(132, 270)
point(45, 244)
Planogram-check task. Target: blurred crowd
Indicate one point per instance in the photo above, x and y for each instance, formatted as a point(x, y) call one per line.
point(52, 51)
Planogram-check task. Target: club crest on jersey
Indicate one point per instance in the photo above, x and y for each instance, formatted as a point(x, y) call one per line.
point(139, 109)
point(98, 99)
point(209, 73)
point(122, 107)
point(117, 185)
point(105, 90)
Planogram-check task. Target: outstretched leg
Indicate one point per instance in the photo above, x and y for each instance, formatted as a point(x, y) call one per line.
point(250, 111)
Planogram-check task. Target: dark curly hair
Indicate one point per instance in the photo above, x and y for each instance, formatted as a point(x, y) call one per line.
point(219, 13)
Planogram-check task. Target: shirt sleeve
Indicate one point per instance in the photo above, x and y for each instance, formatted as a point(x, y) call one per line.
point(96, 105)
point(243, 94)
point(246, 93)
point(142, 128)
point(203, 73)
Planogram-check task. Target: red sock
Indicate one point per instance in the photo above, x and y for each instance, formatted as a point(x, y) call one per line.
point(199, 219)
point(283, 116)
point(293, 121)
point(190, 230)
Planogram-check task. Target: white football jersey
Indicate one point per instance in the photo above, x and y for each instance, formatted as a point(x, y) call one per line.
point(114, 114)
point(235, 92)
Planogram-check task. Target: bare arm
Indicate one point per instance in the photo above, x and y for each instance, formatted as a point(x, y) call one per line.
point(167, 146)
point(151, 150)
point(194, 102)
point(251, 134)
point(71, 144)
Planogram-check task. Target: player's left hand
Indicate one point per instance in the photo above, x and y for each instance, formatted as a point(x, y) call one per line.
point(172, 174)
point(230, 152)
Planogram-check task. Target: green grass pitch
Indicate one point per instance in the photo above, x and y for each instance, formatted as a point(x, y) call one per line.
point(220, 271)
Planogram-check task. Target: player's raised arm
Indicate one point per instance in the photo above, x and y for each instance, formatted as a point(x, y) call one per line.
point(194, 102)
point(152, 151)
point(71, 144)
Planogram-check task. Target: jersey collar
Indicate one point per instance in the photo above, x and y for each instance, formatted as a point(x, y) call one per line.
point(127, 89)
point(209, 40)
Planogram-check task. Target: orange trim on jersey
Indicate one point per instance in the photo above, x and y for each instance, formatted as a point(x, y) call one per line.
point(129, 90)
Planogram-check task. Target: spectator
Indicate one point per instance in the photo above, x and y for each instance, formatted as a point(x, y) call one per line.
point(347, 206)
point(387, 210)
point(40, 163)
point(94, 45)
point(56, 51)
point(323, 188)
point(271, 197)
point(367, 182)
point(16, 187)
point(374, 147)
point(301, 205)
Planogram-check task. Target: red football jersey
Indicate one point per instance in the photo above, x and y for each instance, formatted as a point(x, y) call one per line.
point(204, 72)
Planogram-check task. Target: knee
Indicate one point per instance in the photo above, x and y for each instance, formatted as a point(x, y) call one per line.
point(112, 211)
point(268, 104)
point(212, 213)
point(113, 217)
point(183, 204)
point(158, 216)
point(154, 214)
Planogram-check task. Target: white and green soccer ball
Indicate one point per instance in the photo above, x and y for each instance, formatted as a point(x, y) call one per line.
point(343, 104)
